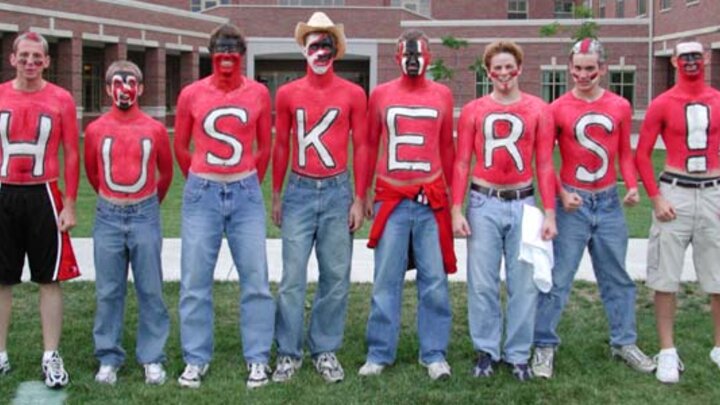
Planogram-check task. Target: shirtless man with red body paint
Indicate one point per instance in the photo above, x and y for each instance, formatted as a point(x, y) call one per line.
point(36, 118)
point(410, 122)
point(227, 116)
point(687, 203)
point(129, 164)
point(322, 112)
point(592, 128)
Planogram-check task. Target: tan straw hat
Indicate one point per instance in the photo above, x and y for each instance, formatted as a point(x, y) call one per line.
point(320, 22)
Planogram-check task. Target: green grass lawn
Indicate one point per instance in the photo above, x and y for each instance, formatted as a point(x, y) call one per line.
point(584, 371)
point(638, 218)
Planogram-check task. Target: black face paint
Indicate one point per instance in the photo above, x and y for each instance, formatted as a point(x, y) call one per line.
point(327, 42)
point(228, 45)
point(411, 56)
point(691, 57)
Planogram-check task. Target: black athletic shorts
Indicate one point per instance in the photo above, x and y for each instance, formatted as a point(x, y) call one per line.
point(28, 226)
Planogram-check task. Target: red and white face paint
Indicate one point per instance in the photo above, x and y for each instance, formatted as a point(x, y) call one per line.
point(585, 64)
point(504, 71)
point(690, 60)
point(125, 87)
point(319, 51)
point(226, 56)
point(414, 57)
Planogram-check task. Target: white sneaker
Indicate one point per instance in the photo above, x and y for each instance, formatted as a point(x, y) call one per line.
point(54, 371)
point(370, 368)
point(4, 363)
point(329, 367)
point(154, 374)
point(285, 368)
point(258, 375)
point(714, 355)
point(107, 374)
point(192, 376)
point(669, 366)
point(438, 370)
point(543, 361)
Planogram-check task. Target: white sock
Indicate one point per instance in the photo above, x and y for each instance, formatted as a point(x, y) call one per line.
point(3, 355)
point(671, 350)
point(47, 354)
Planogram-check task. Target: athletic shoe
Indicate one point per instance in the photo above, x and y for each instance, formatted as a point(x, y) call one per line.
point(4, 364)
point(438, 370)
point(258, 375)
point(192, 376)
point(329, 367)
point(714, 356)
point(669, 366)
point(634, 357)
point(154, 374)
point(521, 371)
point(285, 368)
point(54, 371)
point(542, 362)
point(370, 368)
point(107, 374)
point(483, 365)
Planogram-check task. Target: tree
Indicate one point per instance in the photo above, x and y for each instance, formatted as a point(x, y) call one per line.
point(587, 29)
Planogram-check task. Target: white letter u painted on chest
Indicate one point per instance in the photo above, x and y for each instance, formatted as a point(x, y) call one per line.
point(146, 145)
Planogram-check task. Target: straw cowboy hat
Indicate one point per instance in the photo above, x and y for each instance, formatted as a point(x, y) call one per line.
point(320, 22)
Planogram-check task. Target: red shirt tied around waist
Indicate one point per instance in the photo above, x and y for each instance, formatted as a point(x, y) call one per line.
point(410, 125)
point(228, 118)
point(127, 153)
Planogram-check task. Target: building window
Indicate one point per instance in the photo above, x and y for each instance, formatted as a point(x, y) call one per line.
point(418, 6)
point(564, 8)
point(517, 10)
point(312, 2)
point(691, 2)
point(554, 84)
point(665, 4)
point(172, 81)
point(622, 82)
point(620, 9)
point(483, 85)
point(93, 78)
point(641, 7)
point(199, 5)
point(601, 9)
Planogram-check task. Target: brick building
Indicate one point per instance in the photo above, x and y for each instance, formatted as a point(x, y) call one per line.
point(168, 39)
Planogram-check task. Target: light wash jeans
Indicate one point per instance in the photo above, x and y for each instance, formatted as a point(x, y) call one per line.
point(125, 235)
point(598, 224)
point(410, 225)
point(496, 227)
point(211, 209)
point(315, 212)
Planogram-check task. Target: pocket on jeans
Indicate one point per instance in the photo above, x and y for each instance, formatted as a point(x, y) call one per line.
point(477, 200)
point(192, 194)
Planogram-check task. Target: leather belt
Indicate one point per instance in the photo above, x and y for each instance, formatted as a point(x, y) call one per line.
point(689, 182)
point(504, 194)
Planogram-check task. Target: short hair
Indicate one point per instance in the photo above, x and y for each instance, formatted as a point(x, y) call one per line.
point(123, 64)
point(589, 45)
point(497, 47)
point(413, 35)
point(228, 30)
point(33, 37)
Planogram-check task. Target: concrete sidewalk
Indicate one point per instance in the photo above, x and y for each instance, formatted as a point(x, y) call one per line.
point(362, 266)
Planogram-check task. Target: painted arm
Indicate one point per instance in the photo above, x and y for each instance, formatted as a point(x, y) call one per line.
point(447, 144)
point(90, 157)
point(461, 167)
point(625, 156)
point(544, 144)
point(183, 132)
point(281, 152)
point(264, 135)
point(649, 131)
point(164, 163)
point(358, 123)
point(374, 132)
point(71, 162)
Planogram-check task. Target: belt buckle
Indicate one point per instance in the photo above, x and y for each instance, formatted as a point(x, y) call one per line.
point(498, 194)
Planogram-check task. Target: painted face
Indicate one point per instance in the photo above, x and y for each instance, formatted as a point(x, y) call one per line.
point(414, 57)
point(124, 86)
point(29, 59)
point(586, 70)
point(503, 71)
point(691, 65)
point(226, 55)
point(319, 51)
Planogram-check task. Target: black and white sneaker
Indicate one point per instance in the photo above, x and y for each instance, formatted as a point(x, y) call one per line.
point(192, 375)
point(54, 371)
point(328, 366)
point(4, 363)
point(521, 371)
point(258, 375)
point(483, 365)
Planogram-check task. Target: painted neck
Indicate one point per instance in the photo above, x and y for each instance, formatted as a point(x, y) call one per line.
point(320, 80)
point(227, 82)
point(412, 81)
point(125, 115)
point(589, 95)
point(507, 97)
point(29, 86)
point(689, 86)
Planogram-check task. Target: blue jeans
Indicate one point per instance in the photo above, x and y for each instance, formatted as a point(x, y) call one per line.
point(410, 225)
point(211, 209)
point(126, 235)
point(598, 224)
point(315, 212)
point(496, 232)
